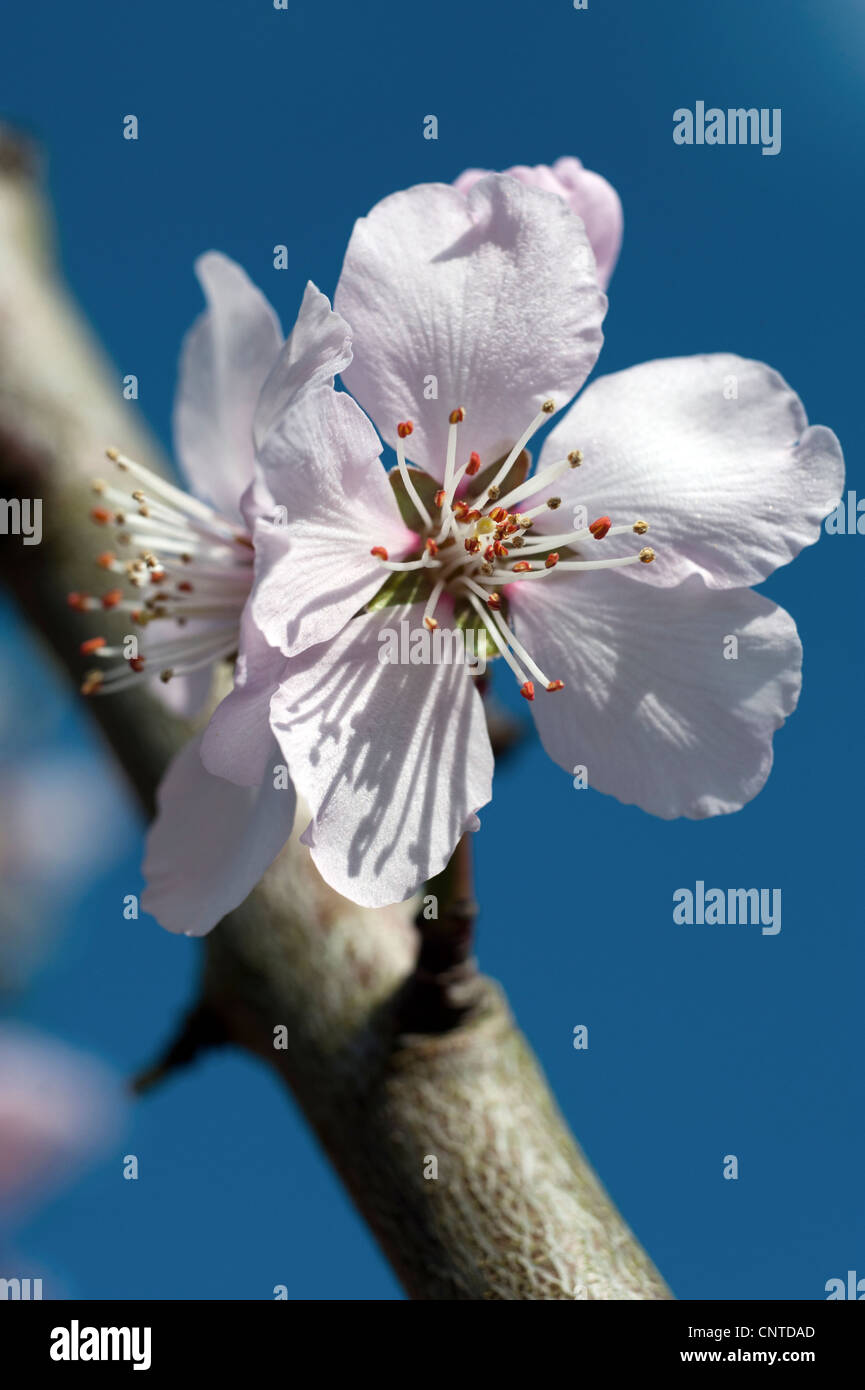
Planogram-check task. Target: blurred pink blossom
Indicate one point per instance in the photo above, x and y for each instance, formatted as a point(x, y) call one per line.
point(58, 1109)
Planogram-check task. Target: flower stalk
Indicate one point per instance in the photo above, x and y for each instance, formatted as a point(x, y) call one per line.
point(445, 985)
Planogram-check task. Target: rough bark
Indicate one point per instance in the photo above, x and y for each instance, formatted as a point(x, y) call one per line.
point(392, 1068)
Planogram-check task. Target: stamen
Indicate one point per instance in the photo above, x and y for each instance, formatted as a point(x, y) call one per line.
point(455, 419)
point(538, 481)
point(424, 561)
point(432, 601)
point(207, 660)
point(646, 556)
point(520, 650)
point(543, 414)
point(488, 620)
point(182, 501)
point(540, 543)
point(403, 431)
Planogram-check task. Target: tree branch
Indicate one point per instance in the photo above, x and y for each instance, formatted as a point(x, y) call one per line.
point(421, 1089)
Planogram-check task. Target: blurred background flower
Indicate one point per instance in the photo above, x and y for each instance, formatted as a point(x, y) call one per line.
point(59, 1108)
point(65, 811)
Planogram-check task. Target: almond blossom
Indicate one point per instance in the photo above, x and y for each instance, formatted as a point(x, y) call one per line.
point(461, 325)
point(186, 555)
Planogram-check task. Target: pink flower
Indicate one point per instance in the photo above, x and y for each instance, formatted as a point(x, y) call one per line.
point(58, 1108)
point(473, 318)
point(587, 194)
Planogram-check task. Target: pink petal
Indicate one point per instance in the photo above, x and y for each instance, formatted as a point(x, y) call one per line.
point(490, 299)
point(316, 351)
point(651, 707)
point(393, 760)
point(237, 743)
point(731, 487)
point(316, 571)
point(226, 357)
point(587, 194)
point(211, 842)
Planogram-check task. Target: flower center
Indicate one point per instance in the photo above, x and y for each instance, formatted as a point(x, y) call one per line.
point(468, 546)
point(192, 566)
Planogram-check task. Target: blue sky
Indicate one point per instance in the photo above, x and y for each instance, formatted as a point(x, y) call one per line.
point(261, 127)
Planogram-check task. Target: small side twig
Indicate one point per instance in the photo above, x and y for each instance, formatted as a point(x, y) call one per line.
point(201, 1030)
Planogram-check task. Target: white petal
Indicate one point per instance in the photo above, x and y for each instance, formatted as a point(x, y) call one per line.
point(651, 706)
point(491, 298)
point(210, 843)
point(237, 743)
point(393, 760)
point(226, 357)
point(731, 485)
point(317, 350)
point(315, 572)
point(587, 194)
